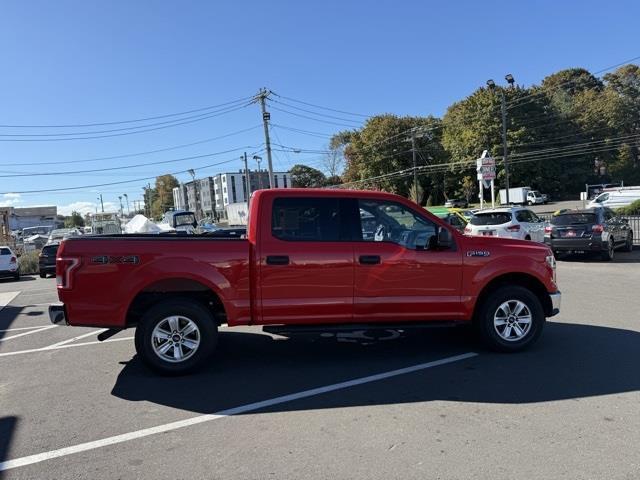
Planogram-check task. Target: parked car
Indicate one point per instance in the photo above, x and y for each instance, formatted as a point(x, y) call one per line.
point(506, 222)
point(456, 203)
point(47, 259)
point(305, 266)
point(591, 230)
point(450, 215)
point(616, 197)
point(9, 263)
point(56, 236)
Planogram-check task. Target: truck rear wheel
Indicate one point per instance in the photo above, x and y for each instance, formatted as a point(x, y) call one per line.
point(176, 336)
point(510, 319)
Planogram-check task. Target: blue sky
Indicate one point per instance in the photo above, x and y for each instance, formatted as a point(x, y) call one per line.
point(78, 62)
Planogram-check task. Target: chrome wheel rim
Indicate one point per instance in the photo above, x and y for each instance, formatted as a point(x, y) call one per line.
point(512, 320)
point(175, 339)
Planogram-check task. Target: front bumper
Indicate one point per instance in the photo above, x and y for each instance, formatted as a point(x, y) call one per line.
point(556, 300)
point(57, 314)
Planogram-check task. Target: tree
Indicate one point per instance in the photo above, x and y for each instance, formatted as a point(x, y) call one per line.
point(74, 221)
point(383, 146)
point(163, 195)
point(303, 176)
point(468, 187)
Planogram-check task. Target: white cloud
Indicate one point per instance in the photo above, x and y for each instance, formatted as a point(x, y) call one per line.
point(85, 207)
point(10, 199)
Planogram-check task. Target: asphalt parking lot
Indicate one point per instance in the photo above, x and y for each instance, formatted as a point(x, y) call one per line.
point(429, 404)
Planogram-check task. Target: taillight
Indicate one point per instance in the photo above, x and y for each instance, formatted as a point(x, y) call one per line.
point(547, 230)
point(64, 270)
point(513, 228)
point(598, 228)
point(13, 260)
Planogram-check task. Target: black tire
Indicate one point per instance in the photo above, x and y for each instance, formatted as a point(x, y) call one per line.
point(189, 309)
point(16, 276)
point(557, 255)
point(628, 245)
point(43, 275)
point(489, 332)
point(607, 254)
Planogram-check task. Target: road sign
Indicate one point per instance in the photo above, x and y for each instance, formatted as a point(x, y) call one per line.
point(486, 167)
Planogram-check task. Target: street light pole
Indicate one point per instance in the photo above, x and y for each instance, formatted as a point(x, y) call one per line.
point(246, 181)
point(101, 202)
point(128, 209)
point(259, 159)
point(192, 172)
point(503, 108)
point(266, 116)
point(121, 208)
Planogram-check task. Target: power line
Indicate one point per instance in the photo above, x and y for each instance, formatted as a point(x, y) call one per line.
point(211, 107)
point(319, 114)
point(94, 170)
point(137, 154)
point(84, 187)
point(200, 118)
point(311, 118)
point(324, 108)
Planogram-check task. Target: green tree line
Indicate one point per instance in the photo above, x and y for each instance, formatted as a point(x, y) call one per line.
point(573, 128)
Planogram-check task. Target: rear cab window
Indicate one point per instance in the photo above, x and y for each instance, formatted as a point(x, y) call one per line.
point(574, 219)
point(305, 219)
point(490, 218)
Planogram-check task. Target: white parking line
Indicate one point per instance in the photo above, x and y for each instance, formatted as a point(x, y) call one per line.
point(79, 337)
point(83, 447)
point(6, 297)
point(22, 328)
point(27, 333)
point(48, 349)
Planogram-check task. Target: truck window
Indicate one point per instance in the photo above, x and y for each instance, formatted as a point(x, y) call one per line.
point(307, 219)
point(383, 221)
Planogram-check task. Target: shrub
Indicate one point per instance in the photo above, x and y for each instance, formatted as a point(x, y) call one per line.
point(29, 263)
point(633, 209)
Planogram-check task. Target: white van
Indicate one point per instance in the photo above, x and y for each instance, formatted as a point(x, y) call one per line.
point(616, 197)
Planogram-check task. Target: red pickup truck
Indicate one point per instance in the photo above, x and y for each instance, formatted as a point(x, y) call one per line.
point(312, 259)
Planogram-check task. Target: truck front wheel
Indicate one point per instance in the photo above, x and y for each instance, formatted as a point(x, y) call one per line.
point(176, 336)
point(510, 319)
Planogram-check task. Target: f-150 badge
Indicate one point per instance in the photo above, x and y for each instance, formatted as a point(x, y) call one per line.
point(478, 253)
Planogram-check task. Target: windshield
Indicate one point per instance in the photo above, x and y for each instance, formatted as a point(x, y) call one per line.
point(493, 218)
point(184, 219)
point(602, 198)
point(574, 219)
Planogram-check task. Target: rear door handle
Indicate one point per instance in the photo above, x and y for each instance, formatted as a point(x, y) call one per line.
point(369, 259)
point(277, 260)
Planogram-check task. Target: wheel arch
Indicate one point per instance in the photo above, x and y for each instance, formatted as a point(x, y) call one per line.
point(515, 279)
point(162, 289)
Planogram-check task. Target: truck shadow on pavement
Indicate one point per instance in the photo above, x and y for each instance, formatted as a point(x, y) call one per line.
point(7, 429)
point(571, 361)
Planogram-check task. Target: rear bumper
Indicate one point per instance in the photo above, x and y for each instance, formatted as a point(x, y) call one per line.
point(556, 300)
point(8, 273)
point(58, 314)
point(47, 268)
point(569, 244)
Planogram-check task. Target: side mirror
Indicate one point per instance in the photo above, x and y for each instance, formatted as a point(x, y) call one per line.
point(444, 238)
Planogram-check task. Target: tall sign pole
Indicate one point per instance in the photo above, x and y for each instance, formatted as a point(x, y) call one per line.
point(486, 168)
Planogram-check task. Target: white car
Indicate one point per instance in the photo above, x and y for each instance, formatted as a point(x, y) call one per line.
point(9, 263)
point(520, 223)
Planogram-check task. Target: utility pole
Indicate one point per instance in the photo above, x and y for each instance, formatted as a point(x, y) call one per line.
point(416, 132)
point(121, 208)
point(192, 172)
point(246, 180)
point(128, 209)
point(503, 107)
point(101, 203)
point(262, 96)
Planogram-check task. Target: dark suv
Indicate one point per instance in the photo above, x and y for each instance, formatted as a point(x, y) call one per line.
point(47, 259)
point(592, 230)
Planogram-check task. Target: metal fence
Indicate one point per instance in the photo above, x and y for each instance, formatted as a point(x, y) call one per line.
point(634, 223)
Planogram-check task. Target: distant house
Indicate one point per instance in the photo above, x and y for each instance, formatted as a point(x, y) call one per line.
point(23, 217)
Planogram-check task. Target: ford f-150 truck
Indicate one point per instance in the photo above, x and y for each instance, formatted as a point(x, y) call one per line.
point(312, 259)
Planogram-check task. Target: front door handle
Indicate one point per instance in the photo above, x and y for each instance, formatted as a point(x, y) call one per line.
point(369, 259)
point(277, 260)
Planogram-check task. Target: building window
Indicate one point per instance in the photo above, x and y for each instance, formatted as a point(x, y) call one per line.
point(224, 190)
point(275, 179)
point(284, 181)
point(233, 189)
